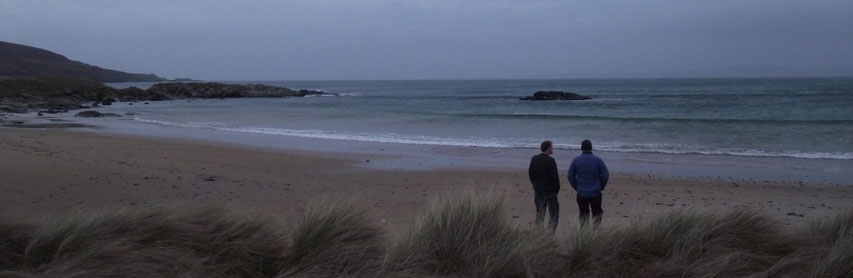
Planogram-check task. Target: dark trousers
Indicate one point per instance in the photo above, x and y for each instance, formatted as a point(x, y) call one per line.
point(547, 201)
point(584, 205)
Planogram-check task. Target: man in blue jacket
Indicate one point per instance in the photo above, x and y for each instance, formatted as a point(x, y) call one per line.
point(588, 176)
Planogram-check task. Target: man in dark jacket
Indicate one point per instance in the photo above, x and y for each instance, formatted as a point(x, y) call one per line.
point(588, 175)
point(546, 185)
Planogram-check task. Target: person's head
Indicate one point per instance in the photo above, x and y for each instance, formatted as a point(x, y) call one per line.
point(547, 147)
point(586, 146)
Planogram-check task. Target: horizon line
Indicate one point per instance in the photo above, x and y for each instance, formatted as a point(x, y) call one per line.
point(520, 78)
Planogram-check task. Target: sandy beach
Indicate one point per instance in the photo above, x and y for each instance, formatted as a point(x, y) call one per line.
point(54, 171)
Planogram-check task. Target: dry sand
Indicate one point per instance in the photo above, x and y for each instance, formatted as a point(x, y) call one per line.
point(52, 171)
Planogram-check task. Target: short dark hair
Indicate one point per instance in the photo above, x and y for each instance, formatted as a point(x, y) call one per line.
point(586, 146)
point(545, 145)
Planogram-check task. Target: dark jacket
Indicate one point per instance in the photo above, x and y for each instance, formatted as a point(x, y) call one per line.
point(543, 173)
point(588, 175)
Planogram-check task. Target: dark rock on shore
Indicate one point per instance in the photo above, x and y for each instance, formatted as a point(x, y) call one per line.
point(52, 111)
point(13, 108)
point(21, 95)
point(555, 95)
point(58, 106)
point(95, 114)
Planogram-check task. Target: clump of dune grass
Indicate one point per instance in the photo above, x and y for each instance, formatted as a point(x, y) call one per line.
point(334, 238)
point(825, 249)
point(467, 236)
point(155, 242)
point(681, 243)
point(471, 236)
point(835, 236)
point(194, 242)
point(13, 235)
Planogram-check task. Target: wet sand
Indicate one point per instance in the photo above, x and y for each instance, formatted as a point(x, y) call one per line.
point(53, 171)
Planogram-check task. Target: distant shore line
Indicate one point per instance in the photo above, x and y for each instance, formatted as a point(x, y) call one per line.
point(51, 95)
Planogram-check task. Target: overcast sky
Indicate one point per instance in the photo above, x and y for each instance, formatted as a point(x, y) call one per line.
point(455, 39)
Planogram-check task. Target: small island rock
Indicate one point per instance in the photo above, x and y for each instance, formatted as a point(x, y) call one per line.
point(555, 95)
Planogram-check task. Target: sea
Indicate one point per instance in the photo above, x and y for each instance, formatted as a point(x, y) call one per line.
point(808, 118)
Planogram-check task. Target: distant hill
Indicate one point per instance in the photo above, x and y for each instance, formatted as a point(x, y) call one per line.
point(25, 61)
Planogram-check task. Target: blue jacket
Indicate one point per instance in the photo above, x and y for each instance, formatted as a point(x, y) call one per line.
point(588, 175)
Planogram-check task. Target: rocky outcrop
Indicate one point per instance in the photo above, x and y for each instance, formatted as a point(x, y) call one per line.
point(555, 95)
point(40, 105)
point(220, 90)
point(57, 94)
point(60, 94)
point(95, 114)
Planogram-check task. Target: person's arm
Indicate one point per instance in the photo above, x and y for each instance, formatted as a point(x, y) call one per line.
point(530, 170)
point(604, 174)
point(555, 174)
point(573, 180)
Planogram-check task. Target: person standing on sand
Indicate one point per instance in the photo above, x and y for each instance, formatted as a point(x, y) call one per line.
point(546, 185)
point(588, 175)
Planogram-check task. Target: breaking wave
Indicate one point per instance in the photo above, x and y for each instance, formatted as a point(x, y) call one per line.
point(385, 137)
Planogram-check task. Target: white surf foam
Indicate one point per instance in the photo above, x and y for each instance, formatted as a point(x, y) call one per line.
point(381, 137)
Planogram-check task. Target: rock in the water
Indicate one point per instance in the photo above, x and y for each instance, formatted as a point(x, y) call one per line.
point(220, 90)
point(303, 93)
point(95, 114)
point(555, 95)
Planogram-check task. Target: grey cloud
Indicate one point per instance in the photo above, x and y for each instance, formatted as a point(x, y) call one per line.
point(391, 39)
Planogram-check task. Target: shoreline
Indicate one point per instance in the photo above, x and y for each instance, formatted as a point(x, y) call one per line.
point(56, 170)
point(830, 172)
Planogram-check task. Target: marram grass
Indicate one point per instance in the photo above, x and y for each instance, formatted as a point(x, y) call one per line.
point(468, 236)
